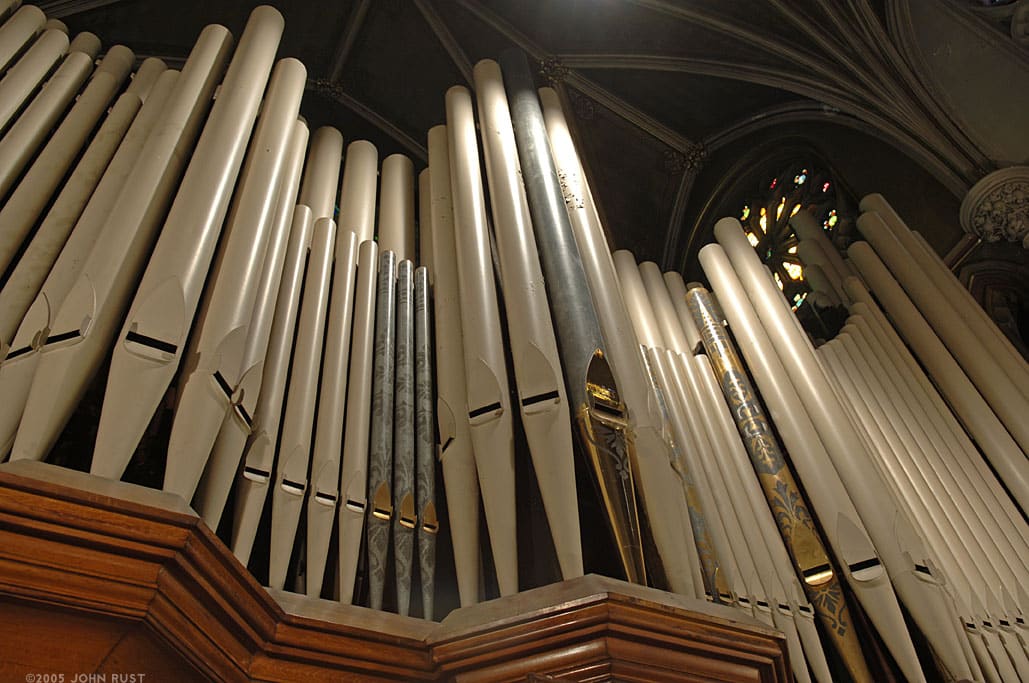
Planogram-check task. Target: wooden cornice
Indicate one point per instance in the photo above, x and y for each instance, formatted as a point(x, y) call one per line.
point(129, 580)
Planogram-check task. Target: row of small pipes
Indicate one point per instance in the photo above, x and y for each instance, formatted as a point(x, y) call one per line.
point(201, 242)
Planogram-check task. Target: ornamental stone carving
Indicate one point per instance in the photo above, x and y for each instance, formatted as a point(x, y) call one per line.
point(997, 207)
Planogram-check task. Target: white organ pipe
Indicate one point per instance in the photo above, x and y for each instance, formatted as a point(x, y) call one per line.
point(396, 207)
point(354, 459)
point(987, 332)
point(812, 254)
point(543, 402)
point(455, 452)
point(956, 568)
point(667, 319)
point(953, 459)
point(35, 262)
point(993, 380)
point(209, 383)
point(943, 421)
point(259, 452)
point(84, 325)
point(921, 593)
point(56, 24)
point(659, 485)
point(356, 216)
point(24, 77)
point(34, 125)
point(153, 338)
point(7, 7)
point(1000, 448)
point(677, 290)
point(820, 283)
point(357, 190)
point(648, 335)
point(841, 523)
point(960, 611)
point(321, 173)
point(32, 328)
point(810, 230)
point(18, 31)
point(22, 209)
point(922, 451)
point(489, 409)
point(425, 223)
point(220, 471)
point(970, 305)
point(302, 398)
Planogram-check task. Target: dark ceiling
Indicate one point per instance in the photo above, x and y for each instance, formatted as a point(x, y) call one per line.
point(662, 90)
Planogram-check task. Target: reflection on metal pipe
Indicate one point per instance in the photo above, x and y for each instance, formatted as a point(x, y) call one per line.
point(599, 409)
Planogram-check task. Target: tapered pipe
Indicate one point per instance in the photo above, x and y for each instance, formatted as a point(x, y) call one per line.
point(380, 448)
point(24, 77)
point(118, 129)
point(18, 31)
point(425, 447)
point(489, 410)
point(919, 590)
point(396, 207)
point(153, 338)
point(980, 363)
point(455, 450)
point(660, 487)
point(83, 327)
point(302, 399)
point(221, 469)
point(716, 560)
point(405, 513)
point(357, 190)
point(356, 439)
point(259, 452)
point(20, 363)
point(213, 365)
point(987, 332)
point(1000, 448)
point(596, 401)
point(35, 125)
point(790, 509)
point(841, 523)
point(357, 208)
point(22, 209)
point(542, 400)
point(321, 174)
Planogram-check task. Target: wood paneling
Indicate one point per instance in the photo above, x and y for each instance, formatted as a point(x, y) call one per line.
point(111, 578)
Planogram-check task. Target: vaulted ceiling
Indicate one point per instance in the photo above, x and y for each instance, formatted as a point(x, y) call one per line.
point(668, 95)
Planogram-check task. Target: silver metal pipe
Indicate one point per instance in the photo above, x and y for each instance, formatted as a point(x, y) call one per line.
point(425, 450)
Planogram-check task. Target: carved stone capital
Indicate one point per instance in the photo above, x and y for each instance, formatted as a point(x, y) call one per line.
point(997, 207)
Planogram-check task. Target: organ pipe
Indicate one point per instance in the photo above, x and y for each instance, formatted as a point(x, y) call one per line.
point(338, 358)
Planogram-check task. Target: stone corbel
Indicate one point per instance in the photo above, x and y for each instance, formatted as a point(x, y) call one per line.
point(997, 207)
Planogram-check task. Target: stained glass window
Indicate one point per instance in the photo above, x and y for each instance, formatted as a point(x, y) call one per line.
point(766, 214)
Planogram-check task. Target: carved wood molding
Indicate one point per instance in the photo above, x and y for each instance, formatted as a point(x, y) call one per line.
point(136, 566)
